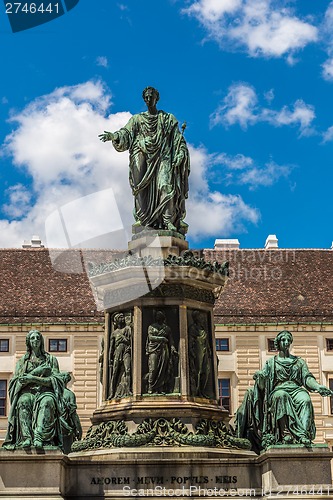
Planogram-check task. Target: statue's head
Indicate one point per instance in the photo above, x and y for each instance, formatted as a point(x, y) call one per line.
point(150, 90)
point(118, 317)
point(196, 315)
point(280, 336)
point(34, 333)
point(160, 316)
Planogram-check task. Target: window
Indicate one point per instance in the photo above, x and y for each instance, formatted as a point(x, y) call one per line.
point(3, 397)
point(4, 345)
point(329, 344)
point(270, 345)
point(58, 345)
point(222, 344)
point(224, 393)
point(330, 385)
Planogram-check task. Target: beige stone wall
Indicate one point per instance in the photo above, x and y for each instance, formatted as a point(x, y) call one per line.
point(249, 352)
point(81, 359)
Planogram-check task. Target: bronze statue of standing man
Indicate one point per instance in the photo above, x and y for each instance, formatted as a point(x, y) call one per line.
point(159, 165)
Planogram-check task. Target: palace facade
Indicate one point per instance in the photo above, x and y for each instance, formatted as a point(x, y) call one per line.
point(268, 290)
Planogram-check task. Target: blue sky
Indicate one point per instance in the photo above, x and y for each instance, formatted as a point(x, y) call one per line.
point(253, 79)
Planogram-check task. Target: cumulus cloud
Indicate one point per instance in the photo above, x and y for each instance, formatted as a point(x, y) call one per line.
point(55, 142)
point(240, 169)
point(260, 27)
point(264, 176)
point(233, 162)
point(19, 201)
point(240, 106)
point(227, 213)
point(328, 135)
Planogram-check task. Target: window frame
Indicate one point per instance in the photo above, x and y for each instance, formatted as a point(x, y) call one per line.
point(330, 385)
point(217, 340)
point(327, 340)
point(58, 340)
point(223, 397)
point(5, 398)
point(8, 343)
point(268, 341)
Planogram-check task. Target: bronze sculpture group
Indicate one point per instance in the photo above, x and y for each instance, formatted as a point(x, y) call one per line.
point(278, 409)
point(40, 405)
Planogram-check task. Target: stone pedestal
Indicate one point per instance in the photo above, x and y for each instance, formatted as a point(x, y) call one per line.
point(181, 472)
point(161, 276)
point(32, 474)
point(158, 243)
point(298, 471)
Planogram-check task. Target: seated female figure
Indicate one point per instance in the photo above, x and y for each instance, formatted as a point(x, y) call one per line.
point(278, 410)
point(35, 393)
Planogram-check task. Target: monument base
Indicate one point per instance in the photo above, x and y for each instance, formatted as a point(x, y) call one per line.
point(158, 243)
point(152, 472)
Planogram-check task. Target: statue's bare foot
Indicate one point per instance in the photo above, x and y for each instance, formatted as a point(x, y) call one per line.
point(171, 227)
point(38, 444)
point(26, 443)
point(305, 441)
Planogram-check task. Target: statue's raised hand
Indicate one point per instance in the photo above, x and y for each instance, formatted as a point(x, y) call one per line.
point(106, 136)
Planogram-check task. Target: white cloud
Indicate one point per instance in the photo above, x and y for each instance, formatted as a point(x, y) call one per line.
point(301, 115)
point(327, 36)
point(102, 61)
point(211, 11)
point(19, 201)
point(240, 169)
point(269, 95)
point(241, 106)
point(328, 69)
point(237, 107)
point(260, 27)
point(227, 214)
point(237, 162)
point(122, 6)
point(265, 176)
point(56, 143)
point(328, 135)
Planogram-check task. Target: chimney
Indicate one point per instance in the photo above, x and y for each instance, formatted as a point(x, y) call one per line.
point(225, 244)
point(271, 242)
point(35, 242)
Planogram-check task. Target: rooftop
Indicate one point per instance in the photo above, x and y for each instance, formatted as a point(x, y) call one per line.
point(265, 286)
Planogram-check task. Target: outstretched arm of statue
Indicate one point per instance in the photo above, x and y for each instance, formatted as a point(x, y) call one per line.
point(312, 385)
point(106, 136)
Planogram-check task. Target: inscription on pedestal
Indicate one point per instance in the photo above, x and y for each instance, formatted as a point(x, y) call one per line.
point(165, 480)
